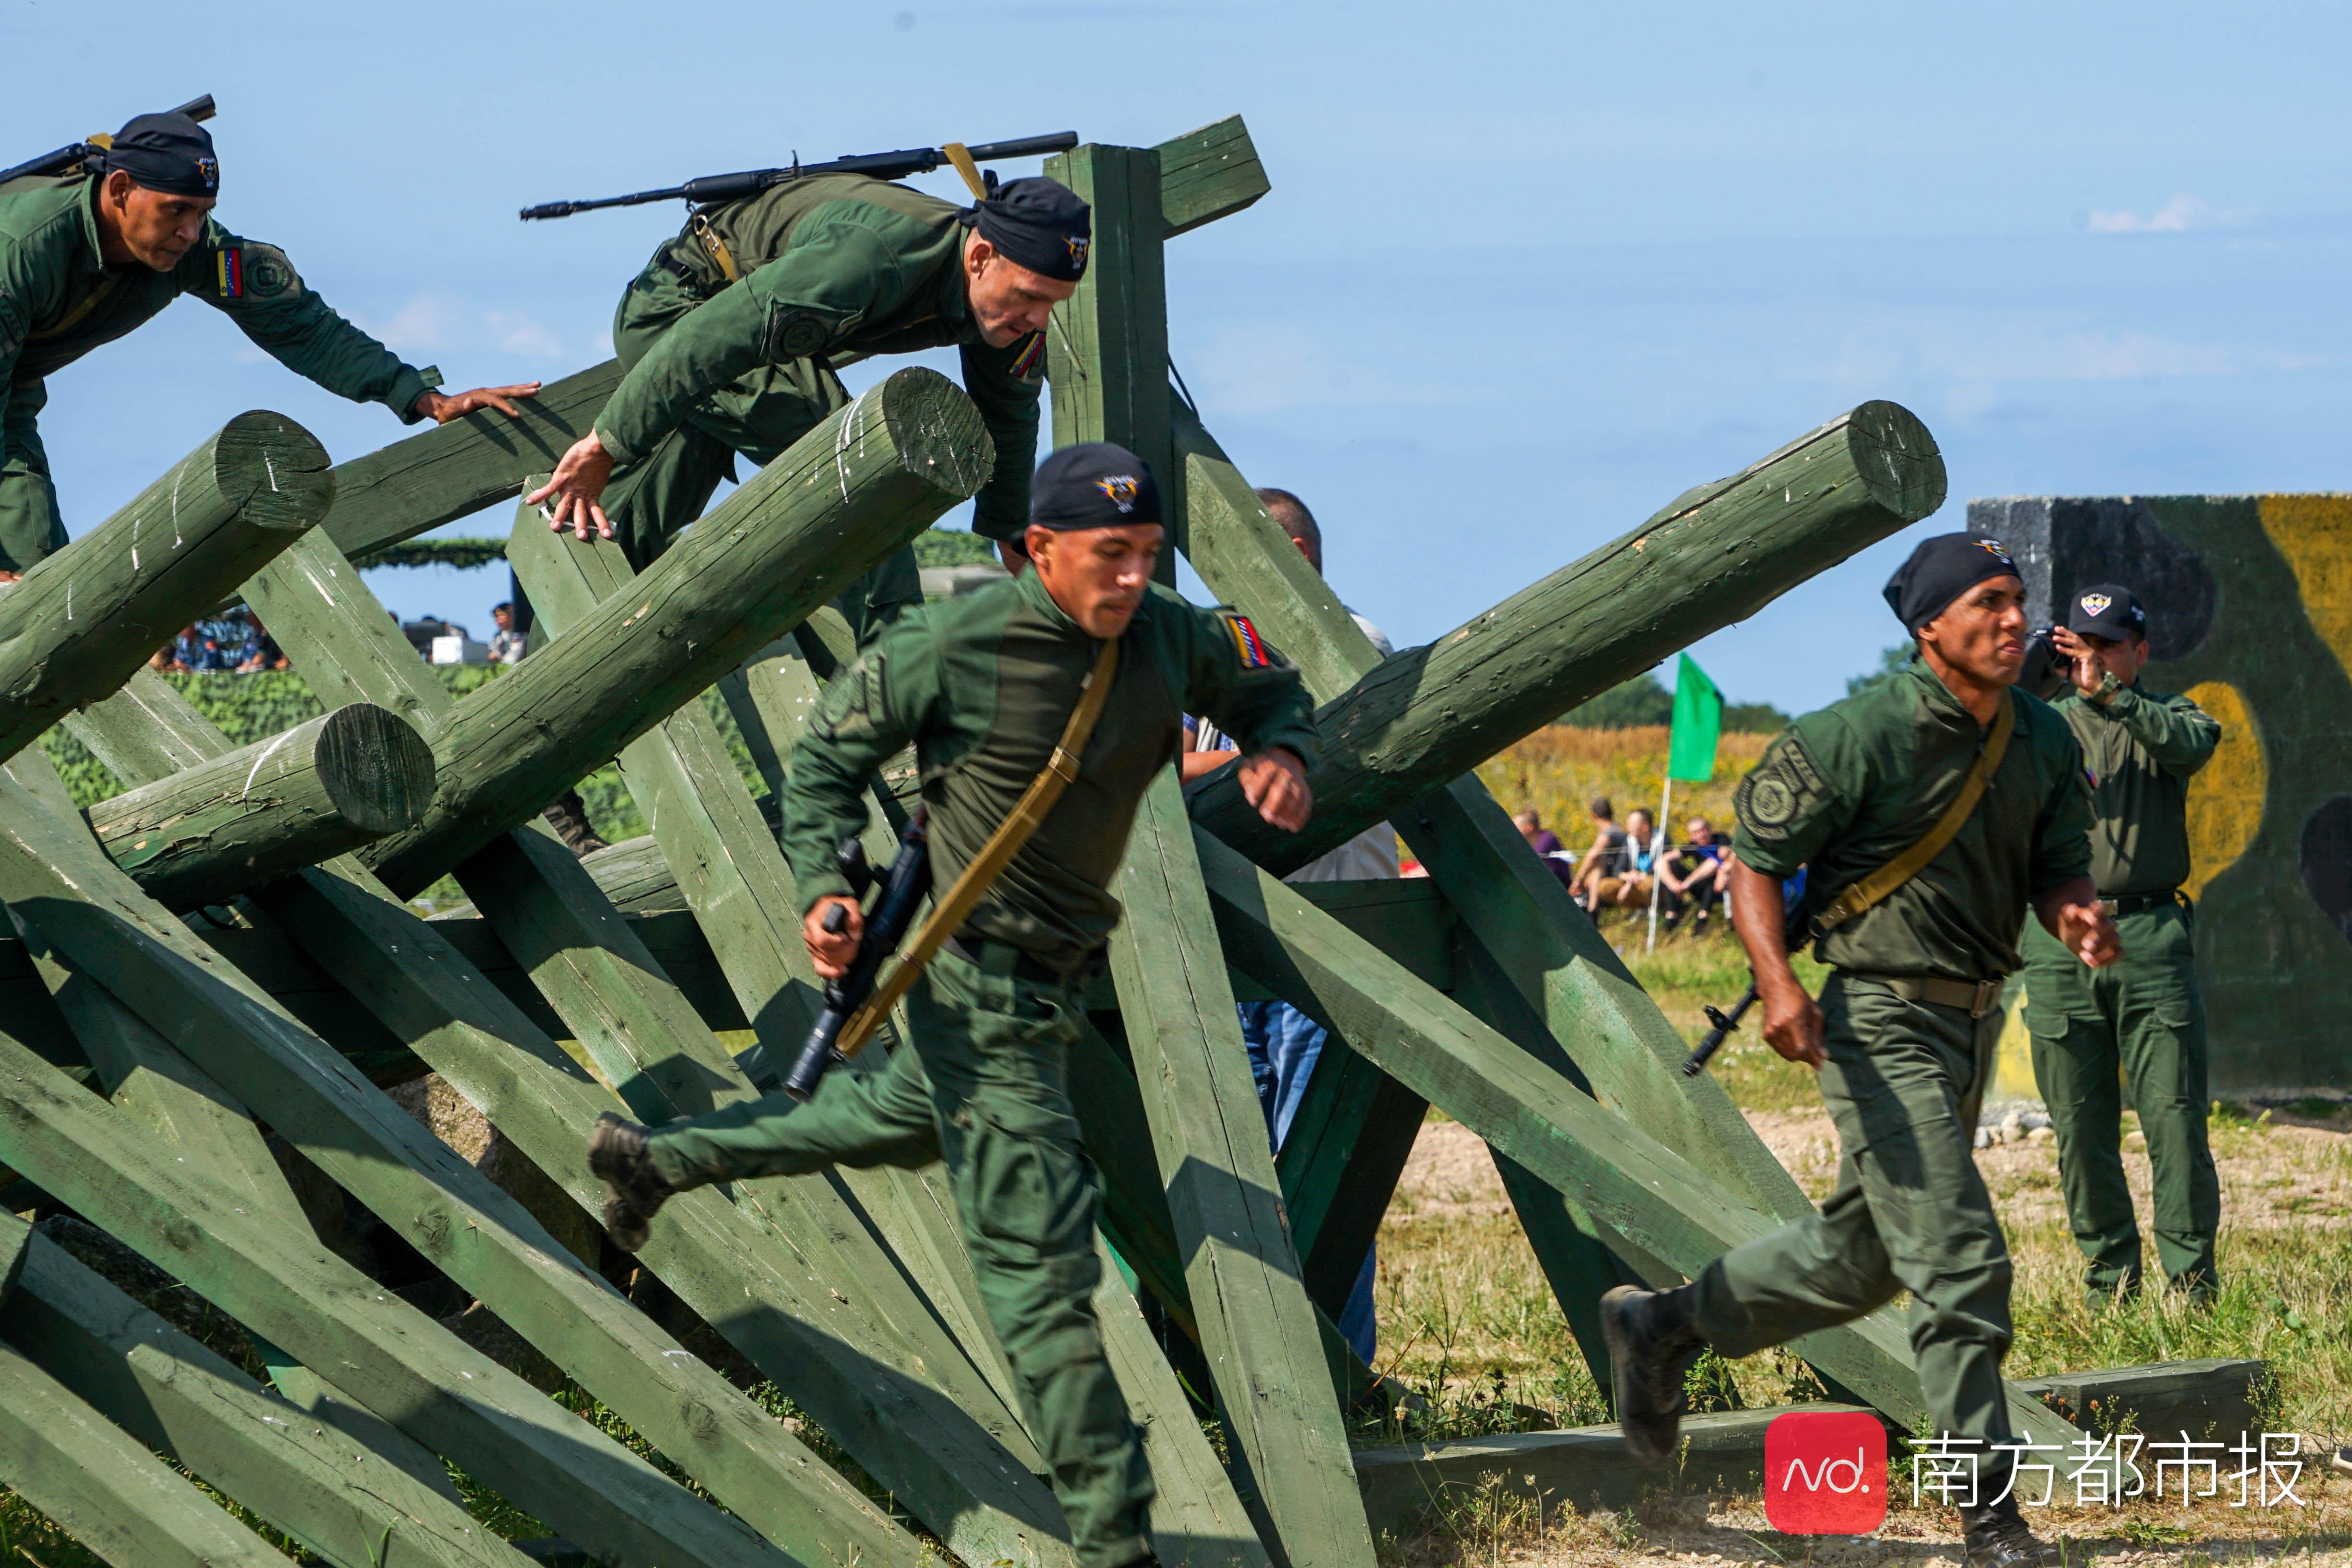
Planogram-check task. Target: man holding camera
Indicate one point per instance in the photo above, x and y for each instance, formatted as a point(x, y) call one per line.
point(1930, 811)
point(2141, 1021)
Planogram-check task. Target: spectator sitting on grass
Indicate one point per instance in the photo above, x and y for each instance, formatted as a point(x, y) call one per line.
point(1546, 842)
point(1607, 858)
point(507, 644)
point(199, 650)
point(1632, 886)
point(1695, 876)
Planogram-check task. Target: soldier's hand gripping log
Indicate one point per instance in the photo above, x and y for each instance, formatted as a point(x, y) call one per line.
point(711, 190)
point(849, 1015)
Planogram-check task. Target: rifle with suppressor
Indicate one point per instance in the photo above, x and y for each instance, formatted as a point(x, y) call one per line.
point(904, 887)
point(711, 190)
point(75, 155)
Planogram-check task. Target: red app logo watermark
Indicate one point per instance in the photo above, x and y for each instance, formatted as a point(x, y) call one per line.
point(1825, 1473)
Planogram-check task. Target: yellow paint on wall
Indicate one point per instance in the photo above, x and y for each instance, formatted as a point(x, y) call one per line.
point(2315, 533)
point(2225, 798)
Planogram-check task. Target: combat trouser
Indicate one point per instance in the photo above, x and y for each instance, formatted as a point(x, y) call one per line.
point(1904, 1082)
point(2139, 1023)
point(30, 524)
point(759, 416)
point(986, 1087)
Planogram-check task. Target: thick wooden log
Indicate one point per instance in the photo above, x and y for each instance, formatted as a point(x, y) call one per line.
point(1256, 1325)
point(861, 485)
point(1660, 1206)
point(334, 1496)
point(282, 1284)
point(344, 779)
point(81, 620)
point(1714, 555)
point(1207, 175)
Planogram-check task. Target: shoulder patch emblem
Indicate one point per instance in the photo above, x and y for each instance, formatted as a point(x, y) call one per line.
point(1029, 362)
point(847, 710)
point(798, 334)
point(1784, 788)
point(228, 272)
point(268, 274)
point(1248, 646)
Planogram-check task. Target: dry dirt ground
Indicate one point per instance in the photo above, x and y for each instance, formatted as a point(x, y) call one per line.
point(2274, 1178)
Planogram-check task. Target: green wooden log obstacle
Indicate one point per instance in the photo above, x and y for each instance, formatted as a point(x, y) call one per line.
point(76, 626)
point(1715, 554)
point(341, 1500)
point(342, 780)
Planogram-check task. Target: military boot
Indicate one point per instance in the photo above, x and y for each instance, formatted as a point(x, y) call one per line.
point(569, 818)
point(1996, 1537)
point(618, 1156)
point(1650, 1344)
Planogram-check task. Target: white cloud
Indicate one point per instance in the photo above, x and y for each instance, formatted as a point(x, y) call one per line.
point(2178, 216)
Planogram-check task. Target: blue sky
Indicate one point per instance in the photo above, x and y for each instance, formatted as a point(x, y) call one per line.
point(1527, 271)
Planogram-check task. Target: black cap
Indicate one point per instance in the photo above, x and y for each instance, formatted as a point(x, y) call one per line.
point(2107, 610)
point(1092, 485)
point(1940, 571)
point(1039, 223)
point(168, 153)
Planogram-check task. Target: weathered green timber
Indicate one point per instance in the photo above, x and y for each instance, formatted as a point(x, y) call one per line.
point(450, 1212)
point(1207, 175)
point(342, 780)
point(860, 485)
point(1715, 554)
point(1657, 1206)
point(339, 1499)
point(1257, 1326)
point(282, 1284)
point(76, 626)
point(431, 996)
point(412, 486)
point(1109, 361)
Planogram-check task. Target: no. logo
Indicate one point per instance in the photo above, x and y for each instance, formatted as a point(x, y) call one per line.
point(1825, 1473)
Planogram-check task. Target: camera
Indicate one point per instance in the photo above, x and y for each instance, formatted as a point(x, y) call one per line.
point(2046, 669)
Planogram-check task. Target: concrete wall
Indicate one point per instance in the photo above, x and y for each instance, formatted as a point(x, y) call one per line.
point(2250, 609)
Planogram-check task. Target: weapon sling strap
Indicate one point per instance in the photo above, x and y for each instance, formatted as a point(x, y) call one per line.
point(951, 911)
point(1862, 895)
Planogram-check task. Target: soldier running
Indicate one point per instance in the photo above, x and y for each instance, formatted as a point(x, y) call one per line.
point(983, 686)
point(728, 336)
point(86, 259)
point(2142, 1021)
point(1904, 1035)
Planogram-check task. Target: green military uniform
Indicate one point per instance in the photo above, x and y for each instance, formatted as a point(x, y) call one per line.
point(840, 264)
point(2141, 1019)
point(59, 299)
point(1840, 794)
point(983, 686)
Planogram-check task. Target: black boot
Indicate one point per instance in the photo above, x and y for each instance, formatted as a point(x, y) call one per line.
point(1650, 1344)
point(569, 818)
point(618, 1156)
point(1996, 1537)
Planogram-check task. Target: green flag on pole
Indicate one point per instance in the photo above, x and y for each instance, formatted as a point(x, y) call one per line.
point(1699, 720)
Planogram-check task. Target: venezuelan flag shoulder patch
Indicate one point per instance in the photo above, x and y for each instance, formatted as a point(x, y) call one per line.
point(230, 272)
point(1250, 647)
point(1029, 365)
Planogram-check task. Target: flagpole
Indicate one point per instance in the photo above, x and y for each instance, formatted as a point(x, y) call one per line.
point(1657, 855)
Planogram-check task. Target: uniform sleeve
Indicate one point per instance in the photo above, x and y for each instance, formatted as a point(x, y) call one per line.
point(1005, 383)
point(2062, 832)
point(15, 319)
point(1241, 684)
point(2178, 733)
point(868, 715)
point(257, 287)
point(845, 263)
point(1799, 795)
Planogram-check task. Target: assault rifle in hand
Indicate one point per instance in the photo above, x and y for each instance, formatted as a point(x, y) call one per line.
point(903, 888)
point(711, 190)
point(1796, 927)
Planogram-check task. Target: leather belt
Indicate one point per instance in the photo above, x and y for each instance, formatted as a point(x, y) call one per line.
point(1977, 999)
point(2134, 903)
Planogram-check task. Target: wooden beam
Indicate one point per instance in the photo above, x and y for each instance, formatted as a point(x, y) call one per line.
point(284, 1286)
point(1637, 1189)
point(804, 1334)
point(76, 626)
point(1207, 175)
point(1256, 1325)
point(1714, 555)
point(1109, 358)
point(863, 483)
point(343, 779)
point(412, 486)
point(338, 1499)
